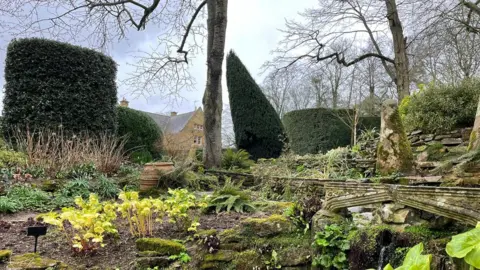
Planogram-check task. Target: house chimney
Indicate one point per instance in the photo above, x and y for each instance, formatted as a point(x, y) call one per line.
point(173, 114)
point(124, 103)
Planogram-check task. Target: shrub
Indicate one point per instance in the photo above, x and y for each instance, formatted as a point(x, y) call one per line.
point(257, 126)
point(141, 131)
point(50, 83)
point(106, 188)
point(71, 156)
point(141, 157)
point(312, 131)
point(232, 159)
point(9, 205)
point(440, 108)
point(10, 158)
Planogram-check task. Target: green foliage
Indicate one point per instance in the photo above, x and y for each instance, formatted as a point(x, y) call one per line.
point(86, 225)
point(9, 205)
point(467, 246)
point(30, 198)
point(239, 159)
point(273, 262)
point(141, 157)
point(178, 202)
point(440, 108)
point(257, 126)
point(142, 133)
point(51, 84)
point(106, 188)
point(160, 246)
point(229, 197)
point(414, 260)
point(83, 170)
point(76, 188)
point(183, 257)
point(313, 131)
point(10, 158)
point(332, 244)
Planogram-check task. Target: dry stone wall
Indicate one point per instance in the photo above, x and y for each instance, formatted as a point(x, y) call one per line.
point(453, 138)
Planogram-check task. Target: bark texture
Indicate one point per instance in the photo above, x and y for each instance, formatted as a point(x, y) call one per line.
point(402, 78)
point(212, 99)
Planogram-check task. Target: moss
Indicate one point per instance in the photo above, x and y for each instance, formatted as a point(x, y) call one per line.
point(205, 233)
point(5, 255)
point(274, 206)
point(265, 227)
point(295, 256)
point(220, 256)
point(34, 260)
point(473, 138)
point(161, 246)
point(249, 259)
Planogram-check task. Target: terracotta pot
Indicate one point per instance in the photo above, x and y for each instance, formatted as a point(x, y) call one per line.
point(151, 173)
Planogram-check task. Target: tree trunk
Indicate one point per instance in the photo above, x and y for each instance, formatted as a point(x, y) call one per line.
point(212, 99)
point(402, 79)
point(474, 143)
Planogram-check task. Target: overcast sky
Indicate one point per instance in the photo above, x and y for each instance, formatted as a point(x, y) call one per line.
point(252, 32)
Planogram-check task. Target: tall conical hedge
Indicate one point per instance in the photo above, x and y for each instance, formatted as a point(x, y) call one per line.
point(257, 126)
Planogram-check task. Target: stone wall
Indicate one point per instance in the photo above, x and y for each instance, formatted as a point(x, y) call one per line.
point(449, 139)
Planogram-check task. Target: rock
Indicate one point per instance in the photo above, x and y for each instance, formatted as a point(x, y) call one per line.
point(248, 260)
point(451, 141)
point(33, 261)
point(152, 262)
point(265, 227)
point(363, 219)
point(294, 256)
point(418, 143)
point(422, 157)
point(323, 218)
point(394, 213)
point(466, 134)
point(394, 153)
point(441, 137)
point(427, 137)
point(5, 255)
point(220, 256)
point(160, 246)
point(416, 132)
point(414, 139)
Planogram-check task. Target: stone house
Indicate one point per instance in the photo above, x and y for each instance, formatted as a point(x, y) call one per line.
point(181, 132)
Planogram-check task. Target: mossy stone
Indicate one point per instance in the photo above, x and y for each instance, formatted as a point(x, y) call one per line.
point(220, 256)
point(159, 245)
point(249, 259)
point(205, 233)
point(295, 256)
point(33, 261)
point(151, 262)
point(5, 255)
point(266, 227)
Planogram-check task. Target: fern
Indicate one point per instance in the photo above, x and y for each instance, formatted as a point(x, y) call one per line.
point(236, 159)
point(230, 197)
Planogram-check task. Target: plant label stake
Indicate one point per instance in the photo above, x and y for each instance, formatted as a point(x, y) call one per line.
point(36, 231)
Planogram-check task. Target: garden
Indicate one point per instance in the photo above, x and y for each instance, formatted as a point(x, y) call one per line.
point(288, 197)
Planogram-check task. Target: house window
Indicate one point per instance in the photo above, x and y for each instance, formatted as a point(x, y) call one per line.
point(197, 140)
point(198, 127)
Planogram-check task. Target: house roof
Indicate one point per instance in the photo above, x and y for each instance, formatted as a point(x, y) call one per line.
point(171, 124)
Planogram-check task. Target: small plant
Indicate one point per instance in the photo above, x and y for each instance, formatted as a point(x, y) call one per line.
point(273, 262)
point(78, 187)
point(9, 205)
point(414, 260)
point(294, 213)
point(140, 213)
point(84, 227)
point(106, 188)
point(230, 197)
point(29, 198)
point(177, 205)
point(183, 257)
point(467, 246)
point(239, 159)
point(332, 245)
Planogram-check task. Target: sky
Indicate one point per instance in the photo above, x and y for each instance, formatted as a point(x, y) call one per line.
point(252, 31)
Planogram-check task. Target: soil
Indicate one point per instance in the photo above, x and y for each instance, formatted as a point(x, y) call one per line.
point(119, 252)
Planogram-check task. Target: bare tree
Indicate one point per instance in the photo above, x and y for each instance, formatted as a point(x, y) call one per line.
point(101, 21)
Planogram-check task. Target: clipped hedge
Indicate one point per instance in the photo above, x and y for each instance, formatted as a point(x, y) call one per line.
point(51, 84)
point(312, 131)
point(441, 108)
point(143, 133)
point(257, 126)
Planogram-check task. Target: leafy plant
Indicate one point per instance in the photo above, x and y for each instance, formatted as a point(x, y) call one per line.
point(29, 198)
point(183, 257)
point(414, 260)
point(273, 262)
point(332, 245)
point(140, 213)
point(230, 197)
point(106, 188)
point(85, 226)
point(10, 158)
point(177, 205)
point(9, 205)
point(78, 187)
point(467, 246)
point(295, 214)
point(239, 159)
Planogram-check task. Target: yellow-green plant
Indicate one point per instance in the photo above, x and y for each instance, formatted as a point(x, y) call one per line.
point(177, 205)
point(140, 214)
point(467, 246)
point(414, 260)
point(85, 225)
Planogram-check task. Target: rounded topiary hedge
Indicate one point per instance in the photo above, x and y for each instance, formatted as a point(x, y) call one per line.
point(50, 84)
point(143, 133)
point(258, 128)
point(312, 131)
